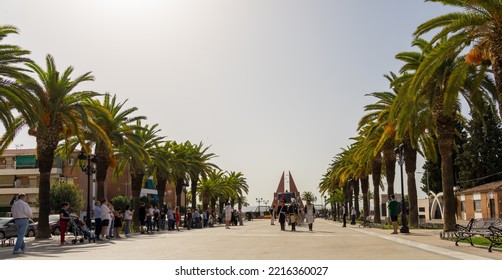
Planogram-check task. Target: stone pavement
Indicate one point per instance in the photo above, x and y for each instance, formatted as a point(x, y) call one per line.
point(258, 240)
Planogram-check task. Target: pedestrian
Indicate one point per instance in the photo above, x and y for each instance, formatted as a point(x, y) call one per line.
point(149, 219)
point(117, 222)
point(393, 212)
point(196, 216)
point(282, 211)
point(293, 214)
point(156, 218)
point(129, 213)
point(96, 212)
point(171, 219)
point(142, 217)
point(228, 215)
point(177, 218)
point(353, 214)
point(272, 215)
point(21, 212)
point(64, 218)
point(310, 214)
point(188, 222)
point(106, 216)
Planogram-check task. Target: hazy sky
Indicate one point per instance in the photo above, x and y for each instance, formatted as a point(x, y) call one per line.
point(270, 85)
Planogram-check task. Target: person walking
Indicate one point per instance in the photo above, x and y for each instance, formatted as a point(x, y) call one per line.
point(293, 214)
point(142, 217)
point(117, 222)
point(170, 219)
point(228, 215)
point(310, 214)
point(96, 213)
point(188, 222)
point(64, 218)
point(21, 212)
point(393, 212)
point(129, 213)
point(282, 211)
point(105, 220)
point(353, 215)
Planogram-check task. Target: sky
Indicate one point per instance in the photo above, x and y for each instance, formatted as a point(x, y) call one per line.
point(270, 86)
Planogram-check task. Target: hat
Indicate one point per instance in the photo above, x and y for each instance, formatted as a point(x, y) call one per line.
point(21, 195)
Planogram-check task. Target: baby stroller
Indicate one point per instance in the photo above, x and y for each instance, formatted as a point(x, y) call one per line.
point(366, 222)
point(81, 232)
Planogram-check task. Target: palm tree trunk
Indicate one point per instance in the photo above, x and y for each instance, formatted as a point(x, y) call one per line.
point(365, 184)
point(389, 157)
point(136, 185)
point(376, 174)
point(161, 189)
point(445, 131)
point(101, 169)
point(356, 196)
point(180, 182)
point(410, 161)
point(46, 145)
point(193, 189)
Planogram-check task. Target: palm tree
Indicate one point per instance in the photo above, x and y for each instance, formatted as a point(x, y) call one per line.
point(451, 77)
point(10, 57)
point(479, 25)
point(120, 129)
point(237, 182)
point(53, 111)
point(307, 196)
point(199, 167)
point(139, 161)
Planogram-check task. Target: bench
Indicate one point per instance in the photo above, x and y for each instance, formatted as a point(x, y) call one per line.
point(490, 229)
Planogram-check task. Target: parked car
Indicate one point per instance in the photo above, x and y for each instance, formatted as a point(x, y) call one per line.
point(8, 228)
point(54, 224)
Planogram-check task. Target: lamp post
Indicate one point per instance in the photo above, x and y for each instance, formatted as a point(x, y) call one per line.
point(88, 168)
point(400, 160)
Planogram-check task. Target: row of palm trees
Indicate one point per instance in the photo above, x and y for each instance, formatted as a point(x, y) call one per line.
point(464, 58)
point(63, 119)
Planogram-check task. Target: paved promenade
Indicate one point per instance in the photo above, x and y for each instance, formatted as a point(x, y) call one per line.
point(258, 240)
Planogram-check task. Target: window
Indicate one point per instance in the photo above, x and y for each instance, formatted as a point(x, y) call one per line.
point(477, 205)
point(421, 209)
point(462, 206)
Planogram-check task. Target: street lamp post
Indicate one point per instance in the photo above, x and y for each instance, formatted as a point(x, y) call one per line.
point(88, 168)
point(400, 160)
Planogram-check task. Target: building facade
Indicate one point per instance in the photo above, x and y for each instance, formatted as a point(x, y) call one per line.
point(483, 201)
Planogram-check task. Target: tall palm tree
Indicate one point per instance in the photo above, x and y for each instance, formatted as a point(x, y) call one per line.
point(120, 128)
point(479, 26)
point(53, 112)
point(139, 161)
point(453, 76)
point(199, 167)
point(11, 57)
point(238, 183)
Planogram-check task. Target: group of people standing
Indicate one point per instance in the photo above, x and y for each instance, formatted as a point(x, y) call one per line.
point(292, 214)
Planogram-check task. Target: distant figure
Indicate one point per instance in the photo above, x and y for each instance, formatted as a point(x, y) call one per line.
point(117, 222)
point(96, 212)
point(177, 217)
point(64, 218)
point(228, 215)
point(353, 214)
point(129, 213)
point(310, 214)
point(21, 212)
point(272, 215)
point(142, 217)
point(393, 212)
point(294, 213)
point(282, 211)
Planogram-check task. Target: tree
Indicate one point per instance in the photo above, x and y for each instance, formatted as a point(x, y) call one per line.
point(11, 57)
point(481, 158)
point(52, 111)
point(479, 26)
point(65, 192)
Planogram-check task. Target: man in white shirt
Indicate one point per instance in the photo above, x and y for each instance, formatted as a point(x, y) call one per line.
point(228, 215)
point(21, 212)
